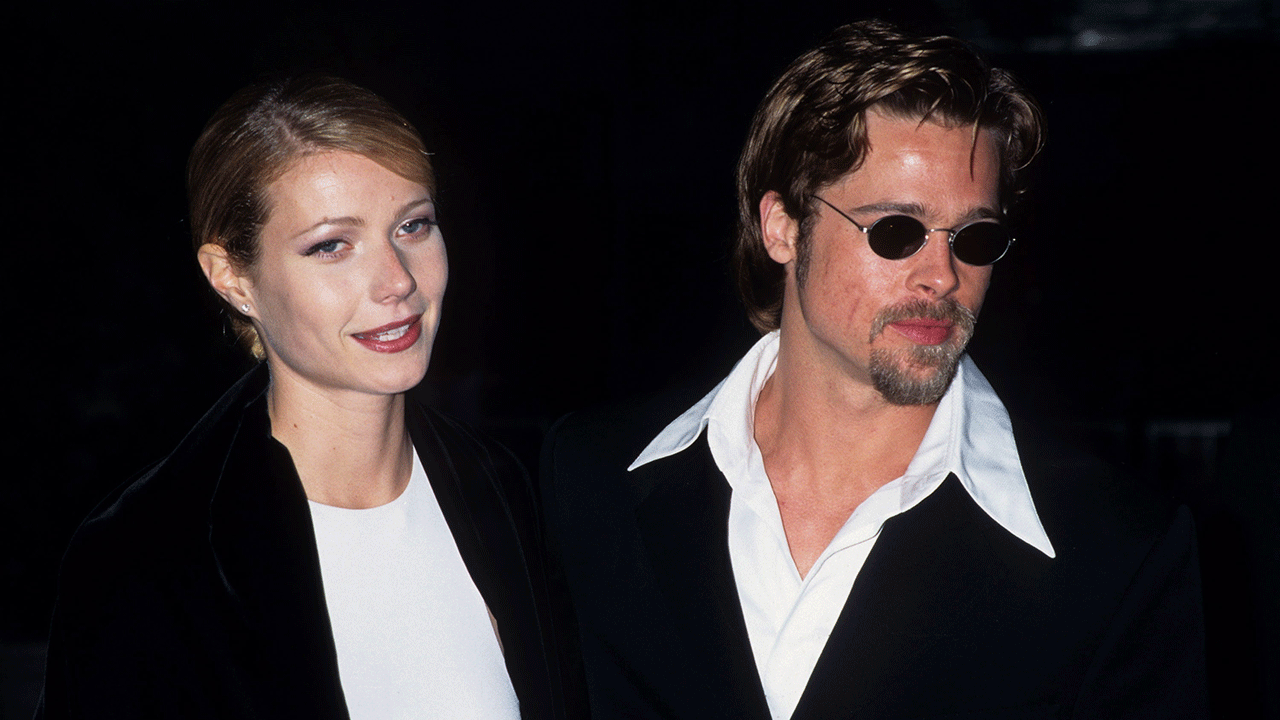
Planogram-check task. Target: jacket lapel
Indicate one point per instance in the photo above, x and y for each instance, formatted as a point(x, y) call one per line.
point(264, 545)
point(683, 522)
point(501, 557)
point(470, 504)
point(925, 591)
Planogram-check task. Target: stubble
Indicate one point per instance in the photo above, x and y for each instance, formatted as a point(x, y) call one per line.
point(920, 375)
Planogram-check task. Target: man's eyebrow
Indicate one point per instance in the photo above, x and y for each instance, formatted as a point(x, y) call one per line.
point(892, 208)
point(916, 210)
point(983, 213)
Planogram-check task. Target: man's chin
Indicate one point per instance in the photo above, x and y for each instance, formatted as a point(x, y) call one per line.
point(913, 377)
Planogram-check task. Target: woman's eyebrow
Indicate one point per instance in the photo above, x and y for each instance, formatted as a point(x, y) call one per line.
point(415, 203)
point(347, 221)
point(353, 221)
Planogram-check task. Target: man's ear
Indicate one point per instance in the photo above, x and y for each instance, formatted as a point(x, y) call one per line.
point(778, 228)
point(234, 288)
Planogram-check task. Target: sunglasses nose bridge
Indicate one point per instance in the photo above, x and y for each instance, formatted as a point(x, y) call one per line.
point(928, 235)
point(951, 233)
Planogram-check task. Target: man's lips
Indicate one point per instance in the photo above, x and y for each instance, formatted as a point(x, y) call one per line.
point(923, 330)
point(392, 337)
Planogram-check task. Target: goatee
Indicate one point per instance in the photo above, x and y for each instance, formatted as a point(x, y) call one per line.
point(920, 375)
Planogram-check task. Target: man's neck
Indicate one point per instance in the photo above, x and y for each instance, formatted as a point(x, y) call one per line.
point(828, 442)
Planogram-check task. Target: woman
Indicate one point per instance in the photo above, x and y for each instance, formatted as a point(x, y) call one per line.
point(319, 545)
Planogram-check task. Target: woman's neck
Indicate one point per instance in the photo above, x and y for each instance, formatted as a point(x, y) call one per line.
point(351, 449)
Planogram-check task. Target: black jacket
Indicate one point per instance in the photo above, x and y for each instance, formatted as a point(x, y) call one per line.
point(195, 591)
point(951, 616)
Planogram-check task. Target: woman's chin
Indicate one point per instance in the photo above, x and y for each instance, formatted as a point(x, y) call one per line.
point(384, 375)
point(394, 383)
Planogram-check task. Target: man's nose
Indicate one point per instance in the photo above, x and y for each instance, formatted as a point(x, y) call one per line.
point(933, 271)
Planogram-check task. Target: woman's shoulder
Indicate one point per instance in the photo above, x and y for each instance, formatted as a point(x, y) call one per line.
point(470, 469)
point(162, 510)
point(462, 443)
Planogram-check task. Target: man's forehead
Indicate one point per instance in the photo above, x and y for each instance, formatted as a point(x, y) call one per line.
point(919, 167)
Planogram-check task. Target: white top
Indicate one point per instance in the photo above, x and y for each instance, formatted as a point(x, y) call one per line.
point(413, 634)
point(789, 618)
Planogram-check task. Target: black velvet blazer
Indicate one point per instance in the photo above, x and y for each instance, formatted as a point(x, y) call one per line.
point(951, 616)
point(195, 590)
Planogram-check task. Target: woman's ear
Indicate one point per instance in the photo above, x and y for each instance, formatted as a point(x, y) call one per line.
point(778, 228)
point(236, 289)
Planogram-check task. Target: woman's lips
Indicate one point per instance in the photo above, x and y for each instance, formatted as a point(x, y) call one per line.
point(393, 337)
point(924, 331)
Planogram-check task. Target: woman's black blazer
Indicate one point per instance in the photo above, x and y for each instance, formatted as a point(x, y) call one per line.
point(195, 591)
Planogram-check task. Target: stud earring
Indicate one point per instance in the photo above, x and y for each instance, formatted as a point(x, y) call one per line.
point(245, 308)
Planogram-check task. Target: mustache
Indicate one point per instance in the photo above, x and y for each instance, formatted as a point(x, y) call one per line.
point(961, 317)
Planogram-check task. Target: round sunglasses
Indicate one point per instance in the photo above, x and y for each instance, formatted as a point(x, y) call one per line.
point(898, 237)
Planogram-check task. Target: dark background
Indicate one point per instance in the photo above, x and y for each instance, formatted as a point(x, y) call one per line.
point(586, 154)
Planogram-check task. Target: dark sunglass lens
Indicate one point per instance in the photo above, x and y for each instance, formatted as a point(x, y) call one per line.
point(896, 237)
point(981, 243)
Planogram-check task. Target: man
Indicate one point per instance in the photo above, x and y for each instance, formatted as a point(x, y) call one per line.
point(845, 526)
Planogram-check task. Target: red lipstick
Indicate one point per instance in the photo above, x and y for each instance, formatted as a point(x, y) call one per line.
point(924, 331)
point(393, 337)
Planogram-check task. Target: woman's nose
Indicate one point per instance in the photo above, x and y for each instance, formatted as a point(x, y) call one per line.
point(393, 281)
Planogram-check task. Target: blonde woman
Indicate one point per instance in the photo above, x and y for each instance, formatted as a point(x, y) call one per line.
point(319, 545)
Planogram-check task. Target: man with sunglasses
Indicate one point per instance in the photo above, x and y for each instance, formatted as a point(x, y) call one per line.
point(846, 525)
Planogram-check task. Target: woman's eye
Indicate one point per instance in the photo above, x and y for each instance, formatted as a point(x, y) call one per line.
point(325, 248)
point(417, 225)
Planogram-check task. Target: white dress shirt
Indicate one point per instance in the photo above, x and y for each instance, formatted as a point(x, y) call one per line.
point(789, 618)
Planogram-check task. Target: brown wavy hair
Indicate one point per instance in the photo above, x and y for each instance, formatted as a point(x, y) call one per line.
point(811, 130)
point(260, 132)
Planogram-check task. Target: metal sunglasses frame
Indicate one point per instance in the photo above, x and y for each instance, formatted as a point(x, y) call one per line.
point(951, 233)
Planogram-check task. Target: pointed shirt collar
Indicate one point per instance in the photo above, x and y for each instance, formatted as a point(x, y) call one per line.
point(970, 436)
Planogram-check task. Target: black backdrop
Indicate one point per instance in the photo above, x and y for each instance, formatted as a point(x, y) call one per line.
point(586, 152)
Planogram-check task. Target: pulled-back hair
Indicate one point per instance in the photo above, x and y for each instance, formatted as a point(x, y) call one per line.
point(258, 134)
point(811, 130)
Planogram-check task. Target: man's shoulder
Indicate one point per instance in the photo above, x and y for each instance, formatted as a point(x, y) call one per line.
point(1088, 499)
point(1126, 575)
point(620, 431)
point(586, 456)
